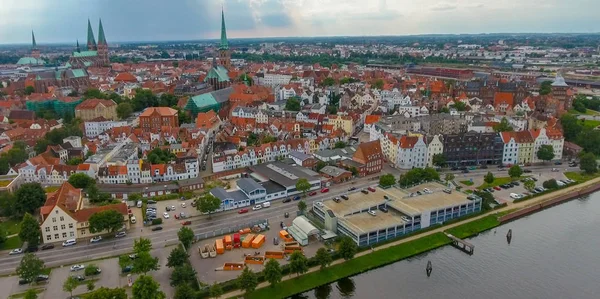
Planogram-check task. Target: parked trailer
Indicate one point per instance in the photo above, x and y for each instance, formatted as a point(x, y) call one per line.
point(274, 254)
point(247, 243)
point(219, 246)
point(292, 243)
point(285, 236)
point(245, 231)
point(227, 241)
point(256, 260)
point(291, 249)
point(203, 251)
point(237, 243)
point(212, 251)
point(258, 241)
point(231, 267)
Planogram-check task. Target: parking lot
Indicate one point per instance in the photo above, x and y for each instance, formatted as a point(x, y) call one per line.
point(206, 267)
point(162, 275)
point(108, 278)
point(161, 208)
point(503, 195)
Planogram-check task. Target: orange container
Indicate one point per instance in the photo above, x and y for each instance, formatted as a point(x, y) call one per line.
point(227, 240)
point(247, 242)
point(256, 260)
point(291, 249)
point(220, 247)
point(274, 255)
point(285, 236)
point(258, 241)
point(245, 231)
point(233, 266)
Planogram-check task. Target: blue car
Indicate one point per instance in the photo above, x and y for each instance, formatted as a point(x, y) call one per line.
point(297, 197)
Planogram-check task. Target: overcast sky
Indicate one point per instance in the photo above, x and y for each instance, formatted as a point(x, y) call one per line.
point(147, 20)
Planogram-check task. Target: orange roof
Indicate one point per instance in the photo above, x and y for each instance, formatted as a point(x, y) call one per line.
point(408, 141)
point(85, 214)
point(93, 103)
point(125, 77)
point(503, 97)
point(163, 111)
point(159, 167)
point(371, 119)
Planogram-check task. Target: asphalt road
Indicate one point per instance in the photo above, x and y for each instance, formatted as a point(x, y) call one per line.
point(85, 251)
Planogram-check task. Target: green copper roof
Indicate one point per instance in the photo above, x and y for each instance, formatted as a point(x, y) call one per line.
point(30, 61)
point(78, 73)
point(85, 54)
point(203, 100)
point(218, 72)
point(91, 42)
point(101, 38)
point(33, 44)
point(224, 44)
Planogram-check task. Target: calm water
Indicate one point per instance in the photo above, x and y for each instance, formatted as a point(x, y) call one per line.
point(553, 254)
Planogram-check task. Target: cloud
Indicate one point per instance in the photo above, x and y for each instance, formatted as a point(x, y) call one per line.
point(443, 6)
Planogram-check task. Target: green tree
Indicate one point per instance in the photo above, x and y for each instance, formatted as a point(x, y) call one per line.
point(550, 184)
point(91, 270)
point(30, 267)
point(70, 284)
point(546, 88)
point(74, 161)
point(207, 204)
point(106, 293)
point(444, 110)
point(29, 90)
point(515, 171)
point(292, 104)
point(418, 175)
point(579, 106)
point(387, 180)
point(90, 285)
point(354, 170)
point(340, 144)
point(107, 220)
point(320, 165)
point(145, 263)
point(186, 236)
point(248, 280)
point(183, 274)
point(347, 248)
point(439, 160)
point(323, 257)
point(449, 177)
point(2, 235)
point(142, 245)
point(587, 163)
point(184, 291)
point(30, 294)
point(215, 291)
point(546, 152)
point(459, 106)
point(379, 84)
point(503, 126)
point(30, 231)
point(93, 93)
point(302, 206)
point(272, 272)
point(489, 177)
point(298, 263)
point(328, 82)
point(184, 116)
point(81, 180)
point(529, 185)
point(29, 198)
point(124, 110)
point(303, 185)
point(178, 257)
point(146, 288)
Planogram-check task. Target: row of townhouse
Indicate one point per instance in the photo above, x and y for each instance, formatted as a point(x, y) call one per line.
point(138, 172)
point(521, 147)
point(410, 151)
point(268, 152)
point(50, 174)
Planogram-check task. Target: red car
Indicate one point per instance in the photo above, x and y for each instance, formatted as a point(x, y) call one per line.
point(324, 190)
point(176, 216)
point(312, 193)
point(242, 211)
point(497, 188)
point(186, 223)
point(371, 189)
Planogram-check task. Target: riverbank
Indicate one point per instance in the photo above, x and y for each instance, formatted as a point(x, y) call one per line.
point(404, 248)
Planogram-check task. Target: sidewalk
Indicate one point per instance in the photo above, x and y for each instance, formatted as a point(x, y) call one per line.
point(510, 206)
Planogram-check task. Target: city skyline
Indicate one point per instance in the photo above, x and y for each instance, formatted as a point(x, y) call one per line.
point(65, 21)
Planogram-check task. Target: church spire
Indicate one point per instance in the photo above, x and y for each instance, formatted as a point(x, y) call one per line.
point(91, 42)
point(224, 44)
point(33, 44)
point(101, 38)
point(78, 48)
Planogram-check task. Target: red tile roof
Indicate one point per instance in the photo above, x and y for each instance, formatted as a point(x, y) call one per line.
point(504, 97)
point(93, 103)
point(163, 111)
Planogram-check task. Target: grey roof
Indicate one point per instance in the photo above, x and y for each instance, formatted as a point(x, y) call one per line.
point(189, 182)
point(559, 81)
point(248, 185)
point(223, 195)
point(284, 175)
point(222, 95)
point(300, 155)
point(272, 187)
point(333, 171)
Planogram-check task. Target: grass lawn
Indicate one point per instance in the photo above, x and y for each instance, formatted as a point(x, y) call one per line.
point(496, 182)
point(467, 183)
point(591, 123)
point(580, 177)
point(11, 243)
point(51, 189)
point(11, 226)
point(358, 265)
point(474, 227)
point(587, 112)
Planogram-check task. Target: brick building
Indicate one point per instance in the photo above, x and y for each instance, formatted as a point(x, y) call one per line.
point(153, 118)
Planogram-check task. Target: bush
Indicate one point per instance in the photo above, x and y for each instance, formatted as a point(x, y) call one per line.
point(550, 184)
point(157, 221)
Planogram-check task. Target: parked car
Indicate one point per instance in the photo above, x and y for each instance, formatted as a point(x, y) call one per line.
point(78, 277)
point(96, 239)
point(243, 211)
point(371, 189)
point(383, 209)
point(186, 223)
point(47, 246)
point(183, 204)
point(193, 203)
point(447, 191)
point(156, 228)
point(168, 209)
point(335, 199)
point(166, 215)
point(77, 267)
point(483, 167)
point(132, 219)
point(150, 201)
point(465, 171)
point(427, 191)
point(120, 234)
point(312, 193)
point(133, 256)
point(172, 208)
point(514, 196)
point(497, 188)
point(515, 183)
point(287, 199)
point(15, 251)
point(527, 171)
point(352, 189)
point(372, 213)
point(257, 207)
point(364, 191)
point(324, 190)
point(345, 197)
point(558, 163)
point(297, 197)
point(127, 269)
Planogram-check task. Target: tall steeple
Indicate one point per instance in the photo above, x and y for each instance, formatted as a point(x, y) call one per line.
point(35, 52)
point(33, 44)
point(224, 44)
point(78, 48)
point(91, 42)
point(101, 38)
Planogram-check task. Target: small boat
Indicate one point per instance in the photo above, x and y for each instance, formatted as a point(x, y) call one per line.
point(429, 268)
point(509, 236)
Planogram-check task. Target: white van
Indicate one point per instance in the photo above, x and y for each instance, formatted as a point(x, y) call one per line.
point(132, 219)
point(70, 242)
point(139, 204)
point(266, 204)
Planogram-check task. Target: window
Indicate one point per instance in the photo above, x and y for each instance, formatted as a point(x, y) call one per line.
point(62, 218)
point(55, 228)
point(62, 226)
point(71, 234)
point(54, 219)
point(70, 225)
point(64, 235)
point(47, 229)
point(56, 236)
point(83, 232)
point(48, 237)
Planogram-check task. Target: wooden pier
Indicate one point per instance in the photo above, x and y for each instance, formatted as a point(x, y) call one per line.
point(463, 245)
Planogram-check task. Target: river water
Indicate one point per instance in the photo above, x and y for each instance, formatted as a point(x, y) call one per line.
point(554, 253)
